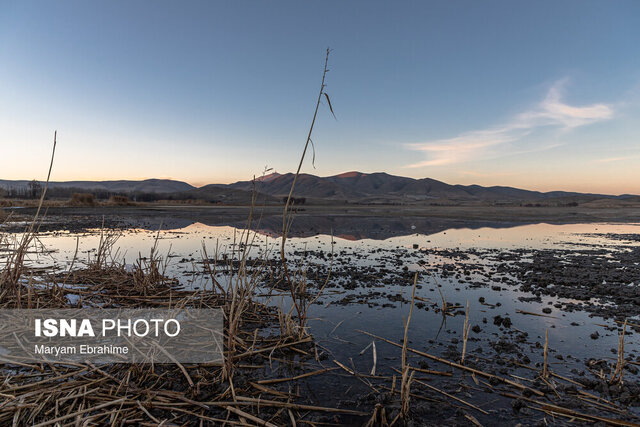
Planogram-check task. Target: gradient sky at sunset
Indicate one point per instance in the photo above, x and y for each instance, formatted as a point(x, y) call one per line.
point(541, 95)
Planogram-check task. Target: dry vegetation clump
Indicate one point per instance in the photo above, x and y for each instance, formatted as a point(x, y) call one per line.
point(31, 203)
point(121, 394)
point(119, 200)
point(82, 199)
point(12, 266)
point(182, 202)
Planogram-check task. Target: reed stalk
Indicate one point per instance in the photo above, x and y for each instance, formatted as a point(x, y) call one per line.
point(465, 334)
point(618, 372)
point(296, 288)
point(14, 265)
point(545, 369)
point(405, 387)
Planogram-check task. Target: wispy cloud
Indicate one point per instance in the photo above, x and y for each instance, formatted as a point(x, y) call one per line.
point(486, 174)
point(615, 159)
point(551, 112)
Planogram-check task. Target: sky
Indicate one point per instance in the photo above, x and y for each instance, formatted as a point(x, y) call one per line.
point(541, 95)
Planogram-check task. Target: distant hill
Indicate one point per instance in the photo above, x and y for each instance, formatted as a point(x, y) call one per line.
point(146, 186)
point(310, 186)
point(382, 187)
point(158, 189)
point(230, 196)
point(351, 187)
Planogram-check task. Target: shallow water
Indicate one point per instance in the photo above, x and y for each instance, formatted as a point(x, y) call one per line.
point(380, 306)
point(187, 241)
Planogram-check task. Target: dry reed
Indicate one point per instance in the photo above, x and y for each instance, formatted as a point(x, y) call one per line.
point(297, 283)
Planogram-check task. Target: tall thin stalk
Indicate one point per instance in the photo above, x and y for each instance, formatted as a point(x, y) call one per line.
point(405, 387)
point(545, 368)
point(618, 372)
point(287, 214)
point(465, 334)
point(15, 263)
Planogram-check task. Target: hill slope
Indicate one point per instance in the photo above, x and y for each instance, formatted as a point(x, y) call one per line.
point(123, 186)
point(353, 187)
point(384, 187)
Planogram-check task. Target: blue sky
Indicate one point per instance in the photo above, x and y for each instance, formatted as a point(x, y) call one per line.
point(542, 95)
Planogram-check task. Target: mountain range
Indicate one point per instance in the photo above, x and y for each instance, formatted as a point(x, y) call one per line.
point(121, 186)
point(352, 187)
point(382, 187)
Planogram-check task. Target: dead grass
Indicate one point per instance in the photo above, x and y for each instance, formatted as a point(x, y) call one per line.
point(618, 371)
point(148, 394)
point(407, 376)
point(11, 273)
point(116, 200)
point(82, 199)
point(465, 334)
